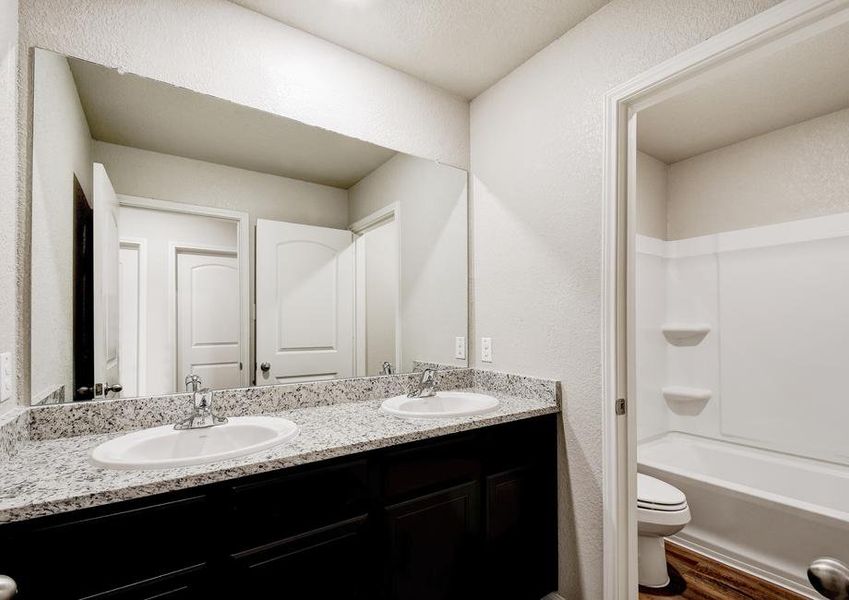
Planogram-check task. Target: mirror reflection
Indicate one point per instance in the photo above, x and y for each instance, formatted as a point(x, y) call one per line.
point(177, 235)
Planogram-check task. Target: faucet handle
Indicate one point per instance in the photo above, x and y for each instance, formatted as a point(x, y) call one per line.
point(193, 381)
point(428, 375)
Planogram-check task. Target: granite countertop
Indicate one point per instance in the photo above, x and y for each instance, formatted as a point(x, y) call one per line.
point(52, 476)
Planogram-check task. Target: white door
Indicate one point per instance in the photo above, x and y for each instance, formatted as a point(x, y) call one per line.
point(378, 320)
point(208, 319)
point(106, 283)
point(130, 309)
point(304, 302)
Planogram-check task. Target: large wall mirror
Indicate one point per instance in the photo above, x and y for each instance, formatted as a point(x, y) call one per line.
point(177, 234)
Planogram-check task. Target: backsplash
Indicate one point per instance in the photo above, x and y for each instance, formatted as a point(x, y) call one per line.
point(87, 418)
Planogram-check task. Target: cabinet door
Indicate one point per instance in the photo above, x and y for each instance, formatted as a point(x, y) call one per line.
point(331, 562)
point(433, 544)
point(517, 540)
point(191, 584)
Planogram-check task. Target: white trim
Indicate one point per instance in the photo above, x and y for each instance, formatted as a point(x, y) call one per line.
point(390, 211)
point(140, 244)
point(381, 214)
point(782, 24)
point(242, 220)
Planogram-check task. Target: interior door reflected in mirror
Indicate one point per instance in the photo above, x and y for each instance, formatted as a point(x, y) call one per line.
point(176, 234)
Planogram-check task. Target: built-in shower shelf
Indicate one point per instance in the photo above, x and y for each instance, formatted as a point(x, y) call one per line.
point(685, 334)
point(680, 393)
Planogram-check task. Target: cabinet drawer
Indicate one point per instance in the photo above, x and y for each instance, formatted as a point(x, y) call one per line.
point(280, 507)
point(189, 584)
point(90, 556)
point(429, 466)
point(511, 445)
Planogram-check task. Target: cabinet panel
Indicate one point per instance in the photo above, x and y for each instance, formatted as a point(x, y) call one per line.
point(332, 562)
point(432, 545)
point(515, 535)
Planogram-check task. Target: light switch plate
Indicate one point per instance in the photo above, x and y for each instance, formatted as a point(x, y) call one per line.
point(460, 348)
point(486, 350)
point(5, 376)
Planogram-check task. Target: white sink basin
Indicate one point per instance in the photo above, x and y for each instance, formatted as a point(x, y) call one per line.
point(163, 447)
point(444, 404)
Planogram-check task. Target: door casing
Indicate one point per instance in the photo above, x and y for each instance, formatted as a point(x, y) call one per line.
point(773, 29)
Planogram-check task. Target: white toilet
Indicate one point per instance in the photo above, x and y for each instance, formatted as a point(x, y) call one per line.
point(661, 511)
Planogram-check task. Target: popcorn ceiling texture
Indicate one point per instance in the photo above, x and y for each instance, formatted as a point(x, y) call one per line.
point(536, 154)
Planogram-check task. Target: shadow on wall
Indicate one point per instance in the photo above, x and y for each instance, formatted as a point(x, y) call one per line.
point(577, 468)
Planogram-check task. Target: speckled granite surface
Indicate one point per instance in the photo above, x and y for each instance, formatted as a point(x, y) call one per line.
point(85, 418)
point(48, 473)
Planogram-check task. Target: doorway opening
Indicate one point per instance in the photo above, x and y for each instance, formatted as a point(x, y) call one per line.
point(745, 84)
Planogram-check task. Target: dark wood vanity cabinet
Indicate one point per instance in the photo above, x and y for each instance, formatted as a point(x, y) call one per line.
point(464, 515)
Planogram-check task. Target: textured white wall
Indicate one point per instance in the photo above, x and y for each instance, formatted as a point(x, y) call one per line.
point(652, 194)
point(537, 141)
point(792, 173)
point(61, 151)
point(8, 179)
point(434, 237)
point(166, 177)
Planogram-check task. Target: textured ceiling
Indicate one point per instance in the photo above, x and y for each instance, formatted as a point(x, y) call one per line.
point(143, 113)
point(805, 80)
point(463, 46)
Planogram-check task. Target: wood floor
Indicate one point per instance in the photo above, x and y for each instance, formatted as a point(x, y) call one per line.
point(696, 577)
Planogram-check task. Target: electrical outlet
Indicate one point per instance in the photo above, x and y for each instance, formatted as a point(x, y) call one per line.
point(486, 350)
point(460, 348)
point(5, 376)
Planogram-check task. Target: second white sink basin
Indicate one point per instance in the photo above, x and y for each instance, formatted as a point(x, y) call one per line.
point(444, 404)
point(163, 447)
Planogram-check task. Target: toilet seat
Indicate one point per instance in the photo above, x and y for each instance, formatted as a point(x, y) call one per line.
point(656, 495)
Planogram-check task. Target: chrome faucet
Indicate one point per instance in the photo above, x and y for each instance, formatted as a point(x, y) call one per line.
point(202, 415)
point(387, 368)
point(427, 385)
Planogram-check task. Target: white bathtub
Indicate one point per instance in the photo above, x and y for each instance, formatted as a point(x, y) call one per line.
point(768, 513)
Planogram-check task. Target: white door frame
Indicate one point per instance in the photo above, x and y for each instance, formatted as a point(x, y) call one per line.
point(140, 245)
point(242, 221)
point(358, 228)
point(778, 27)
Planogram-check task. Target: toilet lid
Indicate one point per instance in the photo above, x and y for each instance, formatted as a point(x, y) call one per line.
point(655, 494)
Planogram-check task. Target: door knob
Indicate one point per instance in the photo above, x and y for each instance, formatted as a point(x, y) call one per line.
point(115, 387)
point(266, 367)
point(8, 587)
point(830, 577)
